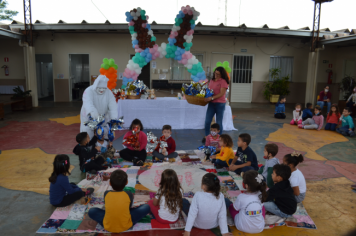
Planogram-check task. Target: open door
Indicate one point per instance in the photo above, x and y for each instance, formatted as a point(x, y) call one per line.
point(44, 73)
point(145, 75)
point(79, 78)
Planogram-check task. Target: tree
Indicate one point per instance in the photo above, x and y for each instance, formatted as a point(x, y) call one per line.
point(6, 14)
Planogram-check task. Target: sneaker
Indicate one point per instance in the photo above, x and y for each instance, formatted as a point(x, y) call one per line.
point(203, 140)
point(230, 221)
point(344, 133)
point(352, 134)
point(300, 126)
point(89, 191)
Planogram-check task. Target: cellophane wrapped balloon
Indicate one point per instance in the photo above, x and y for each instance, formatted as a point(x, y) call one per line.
point(152, 142)
point(115, 125)
point(208, 150)
point(136, 88)
point(197, 89)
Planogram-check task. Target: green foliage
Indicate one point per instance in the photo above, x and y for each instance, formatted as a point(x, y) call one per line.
point(347, 85)
point(21, 94)
point(6, 14)
point(277, 86)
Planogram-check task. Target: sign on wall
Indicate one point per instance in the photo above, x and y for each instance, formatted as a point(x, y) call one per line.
point(6, 59)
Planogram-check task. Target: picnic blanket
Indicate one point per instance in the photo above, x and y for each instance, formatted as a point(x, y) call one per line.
point(142, 182)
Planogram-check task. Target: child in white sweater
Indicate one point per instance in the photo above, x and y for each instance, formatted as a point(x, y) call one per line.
point(208, 209)
point(297, 115)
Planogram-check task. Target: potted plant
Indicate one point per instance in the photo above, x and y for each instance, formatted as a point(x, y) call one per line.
point(277, 87)
point(347, 85)
point(24, 97)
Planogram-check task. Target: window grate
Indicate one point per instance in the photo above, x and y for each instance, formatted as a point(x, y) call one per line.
point(242, 69)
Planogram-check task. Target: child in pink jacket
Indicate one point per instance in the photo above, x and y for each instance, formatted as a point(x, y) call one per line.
point(313, 123)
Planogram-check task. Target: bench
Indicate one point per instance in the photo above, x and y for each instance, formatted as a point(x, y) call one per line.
point(4, 103)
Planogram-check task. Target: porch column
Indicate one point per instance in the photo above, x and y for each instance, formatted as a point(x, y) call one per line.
point(30, 69)
point(310, 93)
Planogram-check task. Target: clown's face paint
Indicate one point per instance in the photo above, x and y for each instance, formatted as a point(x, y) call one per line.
point(100, 90)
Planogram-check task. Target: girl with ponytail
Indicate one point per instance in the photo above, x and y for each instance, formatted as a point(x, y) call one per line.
point(297, 180)
point(247, 211)
point(208, 207)
point(61, 192)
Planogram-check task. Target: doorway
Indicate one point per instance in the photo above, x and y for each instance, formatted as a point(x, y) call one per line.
point(79, 78)
point(145, 75)
point(44, 74)
point(242, 79)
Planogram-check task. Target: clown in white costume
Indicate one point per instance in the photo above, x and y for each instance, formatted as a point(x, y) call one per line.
point(98, 100)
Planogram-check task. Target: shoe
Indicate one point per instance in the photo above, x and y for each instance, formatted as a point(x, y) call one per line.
point(203, 140)
point(344, 133)
point(300, 126)
point(89, 191)
point(352, 134)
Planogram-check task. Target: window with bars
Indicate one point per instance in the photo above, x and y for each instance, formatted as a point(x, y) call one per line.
point(284, 63)
point(179, 72)
point(242, 69)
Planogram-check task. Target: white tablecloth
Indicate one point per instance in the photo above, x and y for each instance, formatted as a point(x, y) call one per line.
point(168, 110)
point(8, 89)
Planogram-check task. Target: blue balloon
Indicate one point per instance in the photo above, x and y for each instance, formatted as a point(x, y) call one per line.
point(192, 26)
point(172, 41)
point(148, 26)
point(178, 57)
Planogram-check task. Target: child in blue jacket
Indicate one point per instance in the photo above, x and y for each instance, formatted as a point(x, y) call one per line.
point(308, 112)
point(280, 111)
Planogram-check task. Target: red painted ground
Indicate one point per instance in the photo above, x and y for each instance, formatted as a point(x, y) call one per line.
point(312, 169)
point(50, 136)
point(346, 169)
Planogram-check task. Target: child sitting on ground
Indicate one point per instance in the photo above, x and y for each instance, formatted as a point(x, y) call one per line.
point(213, 138)
point(61, 192)
point(245, 158)
point(297, 115)
point(106, 147)
point(226, 154)
point(168, 153)
point(347, 124)
point(307, 112)
point(169, 200)
point(271, 150)
point(280, 111)
point(247, 211)
point(297, 180)
point(333, 118)
point(87, 154)
point(281, 200)
point(118, 215)
point(207, 210)
point(135, 152)
point(313, 123)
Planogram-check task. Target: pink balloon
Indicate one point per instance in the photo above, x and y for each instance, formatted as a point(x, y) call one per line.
point(143, 25)
point(206, 80)
point(187, 55)
point(185, 11)
point(171, 36)
point(201, 81)
point(147, 17)
point(190, 32)
point(183, 61)
point(190, 12)
point(131, 23)
point(134, 77)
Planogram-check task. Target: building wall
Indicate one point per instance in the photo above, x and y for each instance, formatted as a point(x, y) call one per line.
point(214, 48)
point(11, 49)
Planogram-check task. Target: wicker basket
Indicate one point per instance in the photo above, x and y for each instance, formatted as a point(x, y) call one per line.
point(196, 100)
point(134, 96)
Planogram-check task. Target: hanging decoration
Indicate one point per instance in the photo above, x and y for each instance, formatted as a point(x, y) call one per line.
point(178, 47)
point(224, 65)
point(109, 69)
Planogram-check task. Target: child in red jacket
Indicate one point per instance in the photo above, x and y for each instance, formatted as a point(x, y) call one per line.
point(135, 152)
point(170, 150)
point(333, 118)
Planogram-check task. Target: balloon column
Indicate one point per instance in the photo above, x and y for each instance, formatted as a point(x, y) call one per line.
point(178, 47)
point(109, 69)
point(225, 65)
